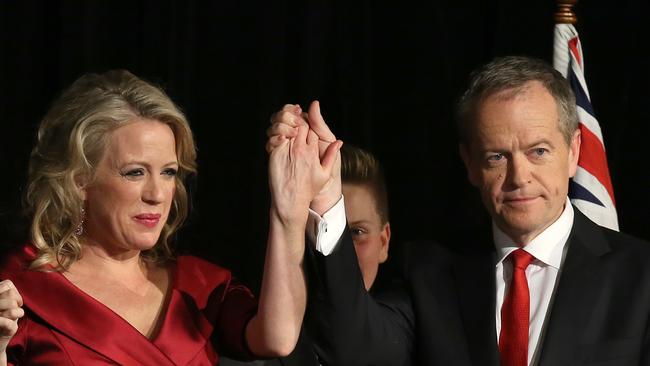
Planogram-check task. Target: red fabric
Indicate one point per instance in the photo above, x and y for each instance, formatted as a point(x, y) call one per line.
point(573, 45)
point(515, 314)
point(594, 160)
point(206, 315)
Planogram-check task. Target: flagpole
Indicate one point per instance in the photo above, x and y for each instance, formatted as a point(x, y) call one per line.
point(564, 13)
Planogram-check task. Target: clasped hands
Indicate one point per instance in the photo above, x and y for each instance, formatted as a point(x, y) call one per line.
point(304, 163)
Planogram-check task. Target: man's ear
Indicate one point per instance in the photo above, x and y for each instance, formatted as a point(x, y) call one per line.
point(385, 242)
point(465, 155)
point(574, 152)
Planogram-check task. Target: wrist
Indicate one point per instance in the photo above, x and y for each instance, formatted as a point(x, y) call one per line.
point(289, 220)
point(325, 201)
point(286, 240)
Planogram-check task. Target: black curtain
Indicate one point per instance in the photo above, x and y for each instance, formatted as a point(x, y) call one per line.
point(387, 75)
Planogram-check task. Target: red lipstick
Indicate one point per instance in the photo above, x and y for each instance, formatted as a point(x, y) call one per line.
point(148, 219)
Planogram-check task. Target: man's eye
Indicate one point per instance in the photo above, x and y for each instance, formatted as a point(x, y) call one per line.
point(538, 153)
point(496, 157)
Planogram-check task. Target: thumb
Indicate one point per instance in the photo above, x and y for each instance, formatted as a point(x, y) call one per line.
point(317, 123)
point(330, 156)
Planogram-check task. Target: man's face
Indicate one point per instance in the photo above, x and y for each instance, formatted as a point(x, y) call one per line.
point(370, 236)
point(519, 160)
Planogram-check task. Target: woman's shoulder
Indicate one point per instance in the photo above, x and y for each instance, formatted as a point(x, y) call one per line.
point(199, 278)
point(17, 260)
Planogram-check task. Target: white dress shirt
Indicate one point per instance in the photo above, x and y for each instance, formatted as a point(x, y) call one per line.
point(542, 274)
point(325, 232)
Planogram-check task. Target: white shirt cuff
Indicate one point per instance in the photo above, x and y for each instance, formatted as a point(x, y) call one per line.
point(324, 232)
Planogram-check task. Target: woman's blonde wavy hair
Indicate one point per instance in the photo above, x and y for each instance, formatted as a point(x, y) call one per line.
point(72, 138)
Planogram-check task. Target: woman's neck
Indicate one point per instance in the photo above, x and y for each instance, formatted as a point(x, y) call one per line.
point(125, 267)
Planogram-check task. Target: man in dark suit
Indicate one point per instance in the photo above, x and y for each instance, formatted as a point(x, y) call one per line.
point(552, 289)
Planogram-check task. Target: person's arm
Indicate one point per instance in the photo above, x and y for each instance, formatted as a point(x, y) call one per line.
point(348, 326)
point(296, 175)
point(10, 311)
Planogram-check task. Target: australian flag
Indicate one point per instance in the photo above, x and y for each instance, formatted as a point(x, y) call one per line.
point(591, 188)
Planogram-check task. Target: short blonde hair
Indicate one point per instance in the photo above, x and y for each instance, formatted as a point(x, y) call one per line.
point(360, 167)
point(72, 138)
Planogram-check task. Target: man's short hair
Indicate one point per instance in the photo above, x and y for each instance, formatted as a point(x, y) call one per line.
point(512, 73)
point(360, 167)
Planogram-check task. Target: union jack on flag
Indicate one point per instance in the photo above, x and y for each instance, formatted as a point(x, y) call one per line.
point(591, 188)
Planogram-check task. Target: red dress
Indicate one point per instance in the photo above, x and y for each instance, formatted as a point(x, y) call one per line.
point(206, 315)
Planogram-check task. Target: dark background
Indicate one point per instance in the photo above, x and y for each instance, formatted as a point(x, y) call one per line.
point(387, 75)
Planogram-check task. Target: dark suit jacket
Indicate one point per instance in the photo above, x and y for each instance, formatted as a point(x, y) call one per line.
point(599, 316)
point(305, 352)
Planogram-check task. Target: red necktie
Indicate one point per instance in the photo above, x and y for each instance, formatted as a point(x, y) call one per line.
point(515, 314)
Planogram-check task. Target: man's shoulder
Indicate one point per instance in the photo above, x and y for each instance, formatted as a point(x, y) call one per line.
point(628, 245)
point(626, 239)
point(618, 254)
point(617, 243)
point(618, 262)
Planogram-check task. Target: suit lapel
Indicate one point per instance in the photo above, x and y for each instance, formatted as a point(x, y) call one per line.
point(578, 283)
point(476, 291)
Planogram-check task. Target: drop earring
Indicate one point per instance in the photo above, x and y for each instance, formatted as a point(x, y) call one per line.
point(80, 228)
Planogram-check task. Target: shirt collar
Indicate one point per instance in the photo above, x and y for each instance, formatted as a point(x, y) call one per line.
point(546, 247)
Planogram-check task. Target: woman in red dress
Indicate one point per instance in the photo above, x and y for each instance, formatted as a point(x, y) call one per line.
point(98, 283)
